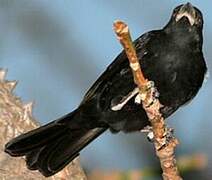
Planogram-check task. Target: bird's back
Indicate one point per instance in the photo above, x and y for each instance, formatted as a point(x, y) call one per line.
point(177, 70)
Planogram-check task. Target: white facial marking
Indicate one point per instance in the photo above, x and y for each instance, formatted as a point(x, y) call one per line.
point(190, 18)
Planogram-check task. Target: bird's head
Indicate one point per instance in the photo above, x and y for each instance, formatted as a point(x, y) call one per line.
point(185, 26)
point(186, 16)
point(189, 13)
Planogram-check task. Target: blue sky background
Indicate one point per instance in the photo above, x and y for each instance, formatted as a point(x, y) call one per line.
point(57, 49)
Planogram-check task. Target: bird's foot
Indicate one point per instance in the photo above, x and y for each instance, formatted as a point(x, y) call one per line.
point(162, 142)
point(167, 138)
point(169, 134)
point(152, 93)
point(150, 134)
point(149, 94)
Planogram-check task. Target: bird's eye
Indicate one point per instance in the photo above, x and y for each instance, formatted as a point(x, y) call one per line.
point(175, 11)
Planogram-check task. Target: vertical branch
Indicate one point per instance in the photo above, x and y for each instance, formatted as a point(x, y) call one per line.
point(164, 144)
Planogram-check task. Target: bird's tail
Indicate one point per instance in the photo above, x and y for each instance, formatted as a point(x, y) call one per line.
point(51, 147)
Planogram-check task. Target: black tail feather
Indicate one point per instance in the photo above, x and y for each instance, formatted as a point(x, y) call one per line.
point(51, 147)
point(31, 159)
point(34, 139)
point(70, 148)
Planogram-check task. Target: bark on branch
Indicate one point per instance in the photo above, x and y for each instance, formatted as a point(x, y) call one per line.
point(164, 144)
point(16, 118)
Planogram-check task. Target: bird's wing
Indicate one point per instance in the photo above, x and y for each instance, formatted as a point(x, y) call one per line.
point(118, 67)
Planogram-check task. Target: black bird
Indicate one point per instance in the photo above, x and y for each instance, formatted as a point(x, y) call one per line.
point(171, 57)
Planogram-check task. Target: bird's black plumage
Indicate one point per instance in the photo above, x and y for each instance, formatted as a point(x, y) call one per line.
point(171, 57)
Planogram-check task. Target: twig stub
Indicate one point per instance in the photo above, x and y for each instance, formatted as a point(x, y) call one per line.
point(122, 32)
